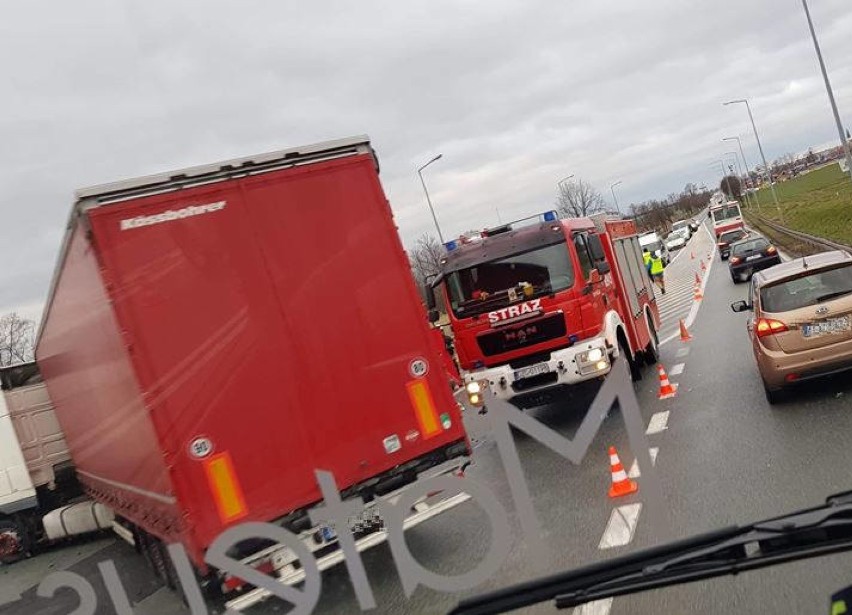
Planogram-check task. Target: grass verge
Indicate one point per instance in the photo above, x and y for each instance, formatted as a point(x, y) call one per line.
point(819, 203)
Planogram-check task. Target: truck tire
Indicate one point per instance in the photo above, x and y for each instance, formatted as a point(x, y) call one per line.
point(14, 540)
point(652, 350)
point(632, 362)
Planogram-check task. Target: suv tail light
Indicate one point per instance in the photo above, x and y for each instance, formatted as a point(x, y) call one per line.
point(771, 250)
point(735, 260)
point(769, 326)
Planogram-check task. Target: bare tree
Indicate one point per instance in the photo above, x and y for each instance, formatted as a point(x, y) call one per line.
point(731, 187)
point(426, 258)
point(17, 337)
point(577, 199)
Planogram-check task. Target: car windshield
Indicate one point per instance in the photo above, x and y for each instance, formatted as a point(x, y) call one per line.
point(679, 225)
point(494, 284)
point(731, 236)
point(752, 245)
point(809, 289)
point(726, 213)
point(675, 235)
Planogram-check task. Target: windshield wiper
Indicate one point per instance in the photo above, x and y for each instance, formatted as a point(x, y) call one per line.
point(833, 295)
point(807, 533)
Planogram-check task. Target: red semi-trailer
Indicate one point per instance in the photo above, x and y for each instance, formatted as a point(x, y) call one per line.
point(216, 334)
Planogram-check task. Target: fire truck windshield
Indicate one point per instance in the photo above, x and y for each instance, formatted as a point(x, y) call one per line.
point(493, 284)
point(726, 213)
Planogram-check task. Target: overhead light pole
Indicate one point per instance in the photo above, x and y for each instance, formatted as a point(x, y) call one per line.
point(615, 200)
point(740, 171)
point(759, 147)
point(428, 200)
point(724, 175)
point(829, 91)
point(563, 180)
point(745, 164)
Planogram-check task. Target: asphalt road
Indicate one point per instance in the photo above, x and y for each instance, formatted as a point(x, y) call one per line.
point(724, 457)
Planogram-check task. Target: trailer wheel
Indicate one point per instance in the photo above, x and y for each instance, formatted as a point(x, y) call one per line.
point(14, 540)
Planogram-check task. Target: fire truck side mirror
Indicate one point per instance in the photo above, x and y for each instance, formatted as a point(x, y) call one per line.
point(602, 267)
point(596, 248)
point(429, 293)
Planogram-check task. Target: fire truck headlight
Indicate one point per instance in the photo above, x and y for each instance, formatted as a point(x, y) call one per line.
point(601, 364)
point(595, 355)
point(474, 392)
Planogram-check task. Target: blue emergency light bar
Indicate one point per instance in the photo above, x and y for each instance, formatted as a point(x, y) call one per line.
point(548, 216)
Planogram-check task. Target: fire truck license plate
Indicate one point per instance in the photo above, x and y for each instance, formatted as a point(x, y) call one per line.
point(532, 370)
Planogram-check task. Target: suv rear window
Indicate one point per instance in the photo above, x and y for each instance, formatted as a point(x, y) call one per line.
point(810, 289)
point(749, 246)
point(731, 236)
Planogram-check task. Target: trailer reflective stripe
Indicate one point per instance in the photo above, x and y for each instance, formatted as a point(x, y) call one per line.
point(424, 407)
point(225, 487)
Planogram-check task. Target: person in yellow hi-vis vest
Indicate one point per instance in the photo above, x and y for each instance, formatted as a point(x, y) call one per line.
point(655, 269)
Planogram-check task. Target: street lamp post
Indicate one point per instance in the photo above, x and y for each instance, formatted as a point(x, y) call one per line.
point(428, 200)
point(559, 192)
point(745, 164)
point(740, 171)
point(615, 200)
point(829, 90)
point(725, 176)
point(760, 148)
point(563, 180)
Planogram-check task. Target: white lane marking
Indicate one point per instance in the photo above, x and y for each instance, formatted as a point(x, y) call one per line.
point(682, 352)
point(634, 469)
point(622, 523)
point(659, 422)
point(676, 370)
point(693, 312)
point(598, 607)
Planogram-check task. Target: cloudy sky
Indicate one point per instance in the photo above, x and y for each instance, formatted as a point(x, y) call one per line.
point(516, 94)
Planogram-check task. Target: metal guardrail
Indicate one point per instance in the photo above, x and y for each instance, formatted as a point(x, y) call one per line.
point(820, 243)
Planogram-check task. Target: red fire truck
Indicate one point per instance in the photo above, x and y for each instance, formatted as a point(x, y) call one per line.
point(727, 217)
point(542, 303)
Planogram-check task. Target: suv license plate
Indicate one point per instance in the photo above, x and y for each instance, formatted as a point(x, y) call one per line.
point(832, 325)
point(532, 370)
point(753, 257)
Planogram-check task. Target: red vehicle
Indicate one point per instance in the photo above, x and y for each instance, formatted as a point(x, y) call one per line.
point(543, 302)
point(726, 217)
point(214, 335)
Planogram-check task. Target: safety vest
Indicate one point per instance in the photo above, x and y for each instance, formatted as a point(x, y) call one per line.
point(647, 257)
point(656, 265)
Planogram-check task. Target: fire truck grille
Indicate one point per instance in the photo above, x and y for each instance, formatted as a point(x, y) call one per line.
point(522, 335)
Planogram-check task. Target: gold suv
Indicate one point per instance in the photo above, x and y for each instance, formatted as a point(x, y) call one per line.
point(801, 322)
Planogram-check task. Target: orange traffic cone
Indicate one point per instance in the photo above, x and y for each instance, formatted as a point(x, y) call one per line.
point(667, 389)
point(684, 333)
point(697, 296)
point(703, 268)
point(697, 279)
point(692, 256)
point(621, 485)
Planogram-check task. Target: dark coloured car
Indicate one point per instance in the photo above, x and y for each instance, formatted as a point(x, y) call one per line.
point(727, 238)
point(750, 255)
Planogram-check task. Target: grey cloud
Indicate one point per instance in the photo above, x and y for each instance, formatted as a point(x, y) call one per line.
point(515, 94)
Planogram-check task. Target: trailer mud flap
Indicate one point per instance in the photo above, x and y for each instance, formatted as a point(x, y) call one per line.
point(225, 487)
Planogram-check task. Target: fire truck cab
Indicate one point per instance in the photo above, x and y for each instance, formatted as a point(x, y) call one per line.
point(544, 302)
